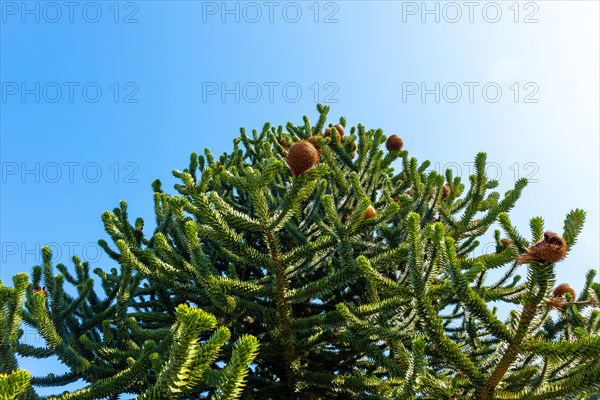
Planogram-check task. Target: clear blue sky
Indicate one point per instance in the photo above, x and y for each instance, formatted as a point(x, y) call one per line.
point(100, 98)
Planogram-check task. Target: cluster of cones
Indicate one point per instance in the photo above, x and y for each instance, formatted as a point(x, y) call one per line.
point(551, 248)
point(305, 154)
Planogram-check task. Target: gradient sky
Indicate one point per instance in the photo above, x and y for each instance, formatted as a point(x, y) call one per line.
point(100, 98)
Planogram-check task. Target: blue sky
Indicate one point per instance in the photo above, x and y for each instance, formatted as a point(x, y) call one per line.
point(100, 98)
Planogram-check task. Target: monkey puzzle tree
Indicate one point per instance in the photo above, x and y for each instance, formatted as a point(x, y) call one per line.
point(358, 280)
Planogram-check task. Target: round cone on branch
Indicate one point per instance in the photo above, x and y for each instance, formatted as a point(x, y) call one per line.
point(338, 128)
point(446, 191)
point(563, 288)
point(552, 248)
point(284, 143)
point(350, 148)
point(394, 142)
point(354, 149)
point(370, 213)
point(315, 142)
point(301, 157)
point(36, 289)
point(556, 303)
point(506, 242)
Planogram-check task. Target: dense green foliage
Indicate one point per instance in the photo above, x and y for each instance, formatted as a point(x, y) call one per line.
point(13, 384)
point(115, 350)
point(358, 281)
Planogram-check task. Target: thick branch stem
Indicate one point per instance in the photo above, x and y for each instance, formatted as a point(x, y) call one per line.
point(284, 314)
point(486, 392)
